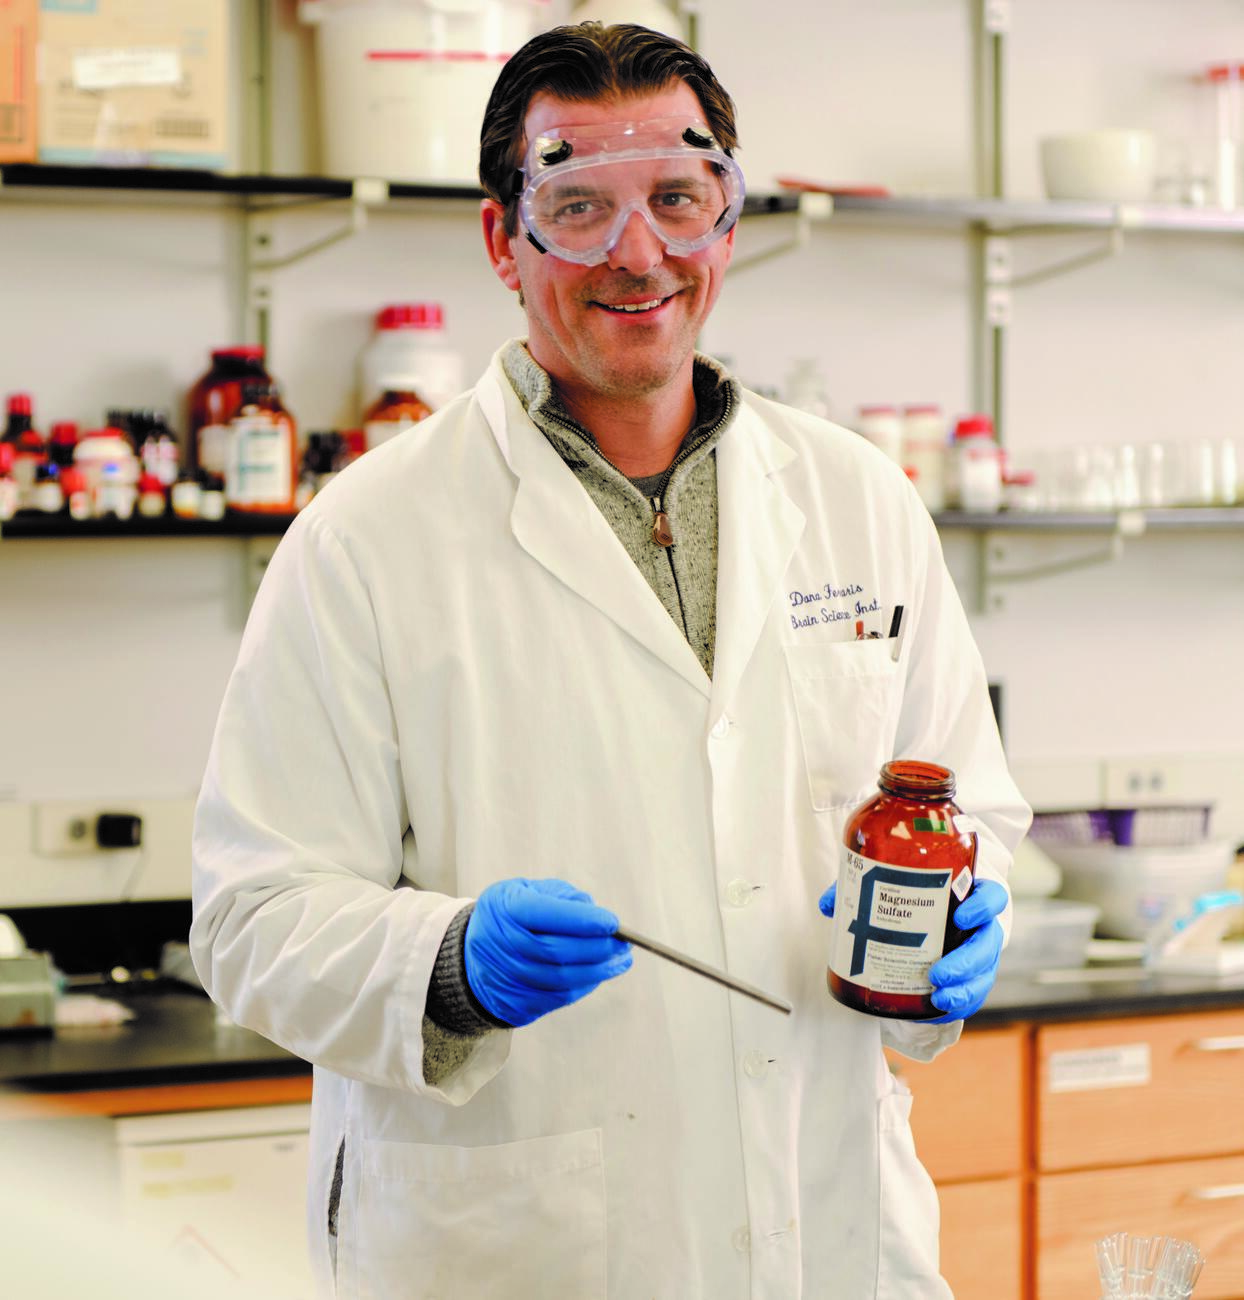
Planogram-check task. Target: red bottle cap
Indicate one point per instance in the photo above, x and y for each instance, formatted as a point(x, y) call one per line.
point(64, 433)
point(19, 404)
point(149, 483)
point(974, 426)
point(410, 316)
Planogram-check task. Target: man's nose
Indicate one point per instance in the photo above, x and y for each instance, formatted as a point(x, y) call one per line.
point(638, 249)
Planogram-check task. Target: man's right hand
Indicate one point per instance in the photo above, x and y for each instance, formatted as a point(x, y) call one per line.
point(535, 945)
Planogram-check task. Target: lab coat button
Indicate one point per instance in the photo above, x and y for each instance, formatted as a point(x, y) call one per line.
point(721, 728)
point(742, 1240)
point(756, 1065)
point(740, 892)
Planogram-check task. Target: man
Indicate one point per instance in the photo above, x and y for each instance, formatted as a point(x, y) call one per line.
point(542, 664)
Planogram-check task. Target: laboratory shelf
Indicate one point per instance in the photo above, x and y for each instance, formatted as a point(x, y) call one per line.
point(1002, 215)
point(159, 183)
point(37, 527)
point(1131, 522)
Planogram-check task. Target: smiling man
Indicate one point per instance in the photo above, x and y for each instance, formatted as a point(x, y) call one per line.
point(531, 668)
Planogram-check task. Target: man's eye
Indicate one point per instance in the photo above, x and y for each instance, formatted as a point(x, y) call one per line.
point(579, 208)
point(672, 199)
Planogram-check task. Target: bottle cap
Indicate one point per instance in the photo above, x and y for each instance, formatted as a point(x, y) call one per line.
point(974, 426)
point(149, 483)
point(63, 433)
point(20, 404)
point(922, 408)
point(411, 316)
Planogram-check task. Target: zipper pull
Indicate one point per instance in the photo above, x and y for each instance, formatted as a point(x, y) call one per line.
point(662, 533)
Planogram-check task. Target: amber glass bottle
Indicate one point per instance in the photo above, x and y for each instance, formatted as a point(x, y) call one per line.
point(908, 859)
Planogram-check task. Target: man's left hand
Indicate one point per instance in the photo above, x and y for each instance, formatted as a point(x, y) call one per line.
point(962, 979)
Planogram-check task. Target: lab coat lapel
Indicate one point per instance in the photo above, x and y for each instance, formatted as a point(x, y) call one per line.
point(558, 524)
point(759, 527)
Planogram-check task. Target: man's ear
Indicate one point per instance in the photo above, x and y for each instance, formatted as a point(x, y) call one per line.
point(498, 243)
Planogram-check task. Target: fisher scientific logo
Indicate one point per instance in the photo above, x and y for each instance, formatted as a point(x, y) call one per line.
point(912, 899)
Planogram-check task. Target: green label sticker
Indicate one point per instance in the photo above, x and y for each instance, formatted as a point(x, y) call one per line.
point(934, 826)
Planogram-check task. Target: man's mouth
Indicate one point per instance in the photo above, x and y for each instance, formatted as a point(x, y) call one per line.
point(633, 308)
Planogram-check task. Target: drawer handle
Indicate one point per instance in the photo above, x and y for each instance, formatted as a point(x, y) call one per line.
point(1232, 1043)
point(1225, 1192)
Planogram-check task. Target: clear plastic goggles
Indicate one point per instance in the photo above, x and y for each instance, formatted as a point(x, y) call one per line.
point(583, 183)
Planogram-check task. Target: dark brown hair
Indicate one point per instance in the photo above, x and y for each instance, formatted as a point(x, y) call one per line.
point(588, 63)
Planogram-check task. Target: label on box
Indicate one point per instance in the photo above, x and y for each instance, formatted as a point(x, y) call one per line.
point(108, 69)
point(1125, 1066)
point(889, 924)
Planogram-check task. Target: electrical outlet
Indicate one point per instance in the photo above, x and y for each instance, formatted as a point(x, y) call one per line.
point(68, 829)
point(1141, 780)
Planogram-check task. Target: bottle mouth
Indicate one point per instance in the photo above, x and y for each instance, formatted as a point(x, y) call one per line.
point(914, 778)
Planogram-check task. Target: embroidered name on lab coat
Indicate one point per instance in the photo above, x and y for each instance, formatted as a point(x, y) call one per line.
point(829, 603)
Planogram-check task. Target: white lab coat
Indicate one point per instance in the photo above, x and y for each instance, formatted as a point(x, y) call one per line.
point(453, 674)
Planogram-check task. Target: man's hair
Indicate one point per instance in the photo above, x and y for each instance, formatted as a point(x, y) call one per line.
point(588, 63)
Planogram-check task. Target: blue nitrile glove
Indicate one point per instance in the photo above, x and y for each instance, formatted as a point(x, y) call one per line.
point(535, 945)
point(962, 979)
point(828, 899)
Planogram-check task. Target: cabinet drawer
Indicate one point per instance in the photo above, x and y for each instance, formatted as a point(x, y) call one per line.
point(1201, 1201)
point(982, 1239)
point(1148, 1088)
point(967, 1115)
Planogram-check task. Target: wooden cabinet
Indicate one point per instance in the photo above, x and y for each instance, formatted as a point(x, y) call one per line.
point(983, 1256)
point(1121, 1109)
point(977, 1165)
point(1201, 1201)
point(1074, 1131)
point(1139, 1089)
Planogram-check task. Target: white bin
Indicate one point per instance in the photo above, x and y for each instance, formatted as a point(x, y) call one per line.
point(403, 84)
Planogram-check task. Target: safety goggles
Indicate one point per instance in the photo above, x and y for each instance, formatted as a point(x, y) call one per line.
point(583, 183)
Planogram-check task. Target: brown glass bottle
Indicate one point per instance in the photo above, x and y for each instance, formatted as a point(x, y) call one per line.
point(908, 859)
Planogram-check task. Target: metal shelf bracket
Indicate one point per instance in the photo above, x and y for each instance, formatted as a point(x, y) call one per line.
point(813, 207)
point(1004, 559)
point(1112, 247)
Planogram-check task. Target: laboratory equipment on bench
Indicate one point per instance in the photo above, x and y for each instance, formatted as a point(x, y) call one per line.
point(1206, 940)
point(1147, 1268)
point(27, 983)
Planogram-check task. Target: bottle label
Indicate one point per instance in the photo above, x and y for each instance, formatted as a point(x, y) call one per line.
point(214, 448)
point(889, 924)
point(259, 468)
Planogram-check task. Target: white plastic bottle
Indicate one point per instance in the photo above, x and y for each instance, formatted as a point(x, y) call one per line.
point(410, 340)
point(925, 451)
point(978, 465)
point(882, 426)
point(805, 388)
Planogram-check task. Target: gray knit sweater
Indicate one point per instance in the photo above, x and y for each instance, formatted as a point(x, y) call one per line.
point(683, 576)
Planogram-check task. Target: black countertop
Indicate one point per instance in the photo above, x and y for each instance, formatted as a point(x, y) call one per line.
point(175, 1038)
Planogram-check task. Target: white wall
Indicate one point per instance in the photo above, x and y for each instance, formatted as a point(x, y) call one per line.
point(114, 655)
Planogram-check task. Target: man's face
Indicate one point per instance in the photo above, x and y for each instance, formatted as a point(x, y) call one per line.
point(576, 329)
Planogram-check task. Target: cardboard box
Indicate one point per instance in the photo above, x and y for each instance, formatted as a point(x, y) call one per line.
point(134, 82)
point(18, 23)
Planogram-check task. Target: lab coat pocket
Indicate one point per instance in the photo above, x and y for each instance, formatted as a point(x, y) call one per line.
point(909, 1216)
point(846, 699)
point(522, 1221)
